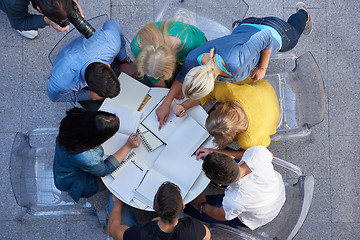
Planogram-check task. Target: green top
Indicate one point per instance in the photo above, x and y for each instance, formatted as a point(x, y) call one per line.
point(189, 35)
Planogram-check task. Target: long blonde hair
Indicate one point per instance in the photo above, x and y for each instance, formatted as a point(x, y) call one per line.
point(158, 56)
point(225, 123)
point(200, 80)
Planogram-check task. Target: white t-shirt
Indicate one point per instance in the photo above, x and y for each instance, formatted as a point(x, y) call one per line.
point(257, 198)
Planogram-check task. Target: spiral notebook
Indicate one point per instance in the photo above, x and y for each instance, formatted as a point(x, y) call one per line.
point(123, 163)
point(148, 139)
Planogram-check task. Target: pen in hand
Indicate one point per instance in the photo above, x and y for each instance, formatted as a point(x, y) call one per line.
point(142, 133)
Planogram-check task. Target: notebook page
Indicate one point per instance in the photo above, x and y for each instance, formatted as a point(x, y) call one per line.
point(178, 167)
point(114, 143)
point(128, 180)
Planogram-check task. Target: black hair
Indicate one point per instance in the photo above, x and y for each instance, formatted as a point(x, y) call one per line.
point(220, 168)
point(102, 80)
point(168, 202)
point(54, 9)
point(83, 129)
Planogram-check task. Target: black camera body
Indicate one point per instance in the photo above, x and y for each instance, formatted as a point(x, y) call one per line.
point(83, 26)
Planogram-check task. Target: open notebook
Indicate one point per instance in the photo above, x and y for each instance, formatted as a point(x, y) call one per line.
point(183, 133)
point(129, 121)
point(172, 165)
point(132, 93)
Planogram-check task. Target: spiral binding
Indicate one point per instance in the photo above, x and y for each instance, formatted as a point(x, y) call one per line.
point(144, 141)
point(122, 164)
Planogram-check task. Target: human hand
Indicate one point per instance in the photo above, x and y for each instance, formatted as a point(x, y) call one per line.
point(198, 200)
point(162, 113)
point(203, 152)
point(117, 201)
point(80, 9)
point(134, 140)
point(56, 26)
point(94, 96)
point(129, 69)
point(179, 110)
point(257, 73)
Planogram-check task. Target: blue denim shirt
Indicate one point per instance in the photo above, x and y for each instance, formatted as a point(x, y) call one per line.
point(77, 174)
point(68, 74)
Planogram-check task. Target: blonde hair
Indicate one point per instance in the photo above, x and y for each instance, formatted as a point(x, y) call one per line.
point(225, 123)
point(158, 55)
point(200, 80)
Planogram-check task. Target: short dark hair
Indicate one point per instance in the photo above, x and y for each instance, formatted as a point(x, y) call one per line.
point(83, 129)
point(102, 80)
point(220, 168)
point(54, 9)
point(168, 202)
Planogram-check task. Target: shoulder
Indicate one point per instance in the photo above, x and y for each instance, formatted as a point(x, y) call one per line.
point(188, 226)
point(256, 156)
point(142, 231)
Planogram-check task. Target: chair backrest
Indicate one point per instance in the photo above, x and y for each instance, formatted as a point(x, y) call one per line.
point(301, 95)
point(31, 175)
point(299, 192)
point(96, 22)
point(188, 12)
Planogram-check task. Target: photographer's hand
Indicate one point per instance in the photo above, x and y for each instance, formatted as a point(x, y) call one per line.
point(80, 9)
point(55, 25)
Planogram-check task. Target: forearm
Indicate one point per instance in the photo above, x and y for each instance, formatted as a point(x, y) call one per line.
point(190, 103)
point(264, 58)
point(115, 221)
point(122, 152)
point(174, 91)
point(234, 153)
point(214, 212)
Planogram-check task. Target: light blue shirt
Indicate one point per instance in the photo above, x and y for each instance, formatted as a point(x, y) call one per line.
point(68, 74)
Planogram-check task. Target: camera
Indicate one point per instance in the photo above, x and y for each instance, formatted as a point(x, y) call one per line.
point(83, 26)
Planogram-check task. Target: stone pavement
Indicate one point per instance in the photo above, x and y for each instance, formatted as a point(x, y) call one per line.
point(331, 155)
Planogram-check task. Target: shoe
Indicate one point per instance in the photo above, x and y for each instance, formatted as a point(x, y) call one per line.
point(308, 26)
point(30, 34)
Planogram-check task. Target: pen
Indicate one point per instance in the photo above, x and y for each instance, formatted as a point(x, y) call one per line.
point(142, 133)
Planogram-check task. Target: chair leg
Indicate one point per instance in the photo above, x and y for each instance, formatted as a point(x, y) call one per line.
point(20, 215)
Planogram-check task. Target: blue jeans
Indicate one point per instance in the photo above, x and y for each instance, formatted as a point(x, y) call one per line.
point(289, 31)
point(127, 214)
point(216, 201)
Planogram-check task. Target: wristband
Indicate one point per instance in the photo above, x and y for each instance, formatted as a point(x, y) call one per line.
point(200, 209)
point(261, 67)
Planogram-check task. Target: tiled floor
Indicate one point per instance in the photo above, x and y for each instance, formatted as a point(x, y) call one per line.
point(332, 155)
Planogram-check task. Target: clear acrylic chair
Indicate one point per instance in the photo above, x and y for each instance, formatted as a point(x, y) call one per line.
point(299, 192)
point(96, 22)
point(301, 95)
point(189, 12)
point(32, 181)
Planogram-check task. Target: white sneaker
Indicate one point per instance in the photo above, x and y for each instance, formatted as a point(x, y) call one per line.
point(308, 26)
point(30, 34)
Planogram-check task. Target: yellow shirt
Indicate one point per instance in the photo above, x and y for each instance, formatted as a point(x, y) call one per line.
point(260, 104)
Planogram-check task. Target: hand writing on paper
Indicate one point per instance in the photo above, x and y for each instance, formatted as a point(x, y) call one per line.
point(133, 141)
point(179, 110)
point(203, 152)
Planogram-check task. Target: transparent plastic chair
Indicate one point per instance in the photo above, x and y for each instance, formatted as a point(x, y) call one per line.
point(195, 13)
point(32, 181)
point(299, 192)
point(301, 95)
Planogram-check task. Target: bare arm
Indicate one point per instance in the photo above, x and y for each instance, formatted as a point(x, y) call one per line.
point(202, 152)
point(179, 109)
point(207, 233)
point(132, 142)
point(214, 212)
point(260, 70)
point(115, 227)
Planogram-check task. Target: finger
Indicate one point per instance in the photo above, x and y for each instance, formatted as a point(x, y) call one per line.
point(160, 123)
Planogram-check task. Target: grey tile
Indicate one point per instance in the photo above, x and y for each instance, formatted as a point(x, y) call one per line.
point(314, 230)
point(343, 30)
point(8, 35)
point(95, 8)
point(345, 231)
point(10, 110)
point(320, 210)
point(43, 228)
point(38, 111)
point(10, 230)
point(265, 9)
point(132, 3)
point(309, 4)
point(345, 191)
point(311, 154)
point(11, 68)
point(84, 230)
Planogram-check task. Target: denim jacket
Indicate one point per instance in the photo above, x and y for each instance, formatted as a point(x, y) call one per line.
point(77, 174)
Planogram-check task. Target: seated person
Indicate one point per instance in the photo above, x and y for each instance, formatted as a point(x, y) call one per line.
point(245, 52)
point(167, 205)
point(78, 161)
point(247, 111)
point(85, 63)
point(160, 46)
point(27, 24)
point(254, 197)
